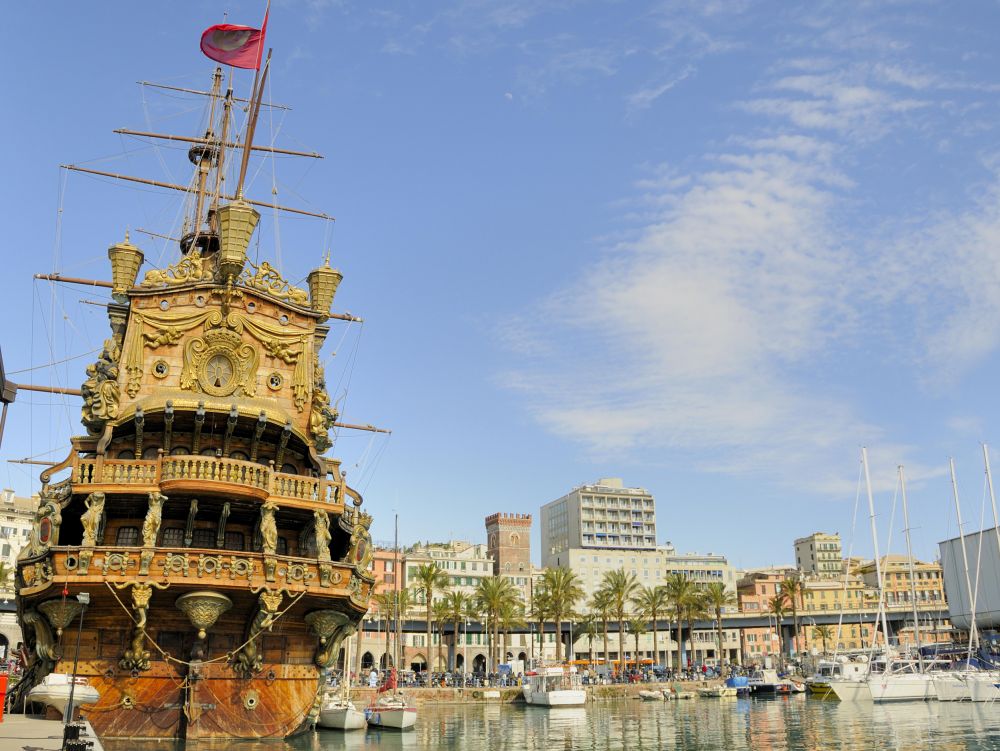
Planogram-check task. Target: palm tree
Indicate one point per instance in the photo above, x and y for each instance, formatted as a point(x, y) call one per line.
point(651, 601)
point(621, 588)
point(600, 605)
point(428, 580)
point(792, 588)
point(824, 633)
point(491, 594)
point(680, 592)
point(718, 597)
point(441, 615)
point(696, 610)
point(776, 607)
point(563, 590)
point(540, 611)
point(636, 627)
point(590, 630)
point(457, 608)
point(511, 616)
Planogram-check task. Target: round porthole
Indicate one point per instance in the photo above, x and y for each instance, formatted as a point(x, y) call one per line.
point(200, 301)
point(274, 381)
point(164, 304)
point(283, 320)
point(251, 306)
point(160, 368)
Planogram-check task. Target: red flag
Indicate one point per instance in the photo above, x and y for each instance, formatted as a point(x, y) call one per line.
point(239, 46)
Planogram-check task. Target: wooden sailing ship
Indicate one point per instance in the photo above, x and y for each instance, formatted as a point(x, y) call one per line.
point(225, 557)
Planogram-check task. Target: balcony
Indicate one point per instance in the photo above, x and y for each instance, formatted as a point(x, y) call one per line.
point(205, 475)
point(193, 567)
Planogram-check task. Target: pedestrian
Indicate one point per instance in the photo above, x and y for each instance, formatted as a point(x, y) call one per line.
point(373, 678)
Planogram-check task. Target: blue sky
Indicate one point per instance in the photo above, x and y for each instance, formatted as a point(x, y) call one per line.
point(710, 247)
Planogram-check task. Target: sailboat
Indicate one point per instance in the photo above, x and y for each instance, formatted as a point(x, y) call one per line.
point(389, 708)
point(904, 680)
point(338, 711)
point(224, 556)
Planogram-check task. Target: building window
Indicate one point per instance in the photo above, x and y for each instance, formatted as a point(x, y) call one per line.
point(282, 547)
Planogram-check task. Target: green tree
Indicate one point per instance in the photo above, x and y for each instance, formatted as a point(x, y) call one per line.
point(793, 588)
point(590, 629)
point(457, 606)
point(441, 614)
point(563, 590)
point(696, 610)
point(776, 607)
point(621, 587)
point(718, 597)
point(540, 612)
point(600, 605)
point(636, 627)
point(681, 591)
point(511, 616)
point(823, 633)
point(651, 602)
point(491, 594)
point(429, 580)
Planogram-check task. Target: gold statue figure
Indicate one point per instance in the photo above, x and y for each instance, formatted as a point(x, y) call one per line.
point(268, 528)
point(151, 525)
point(91, 518)
point(323, 536)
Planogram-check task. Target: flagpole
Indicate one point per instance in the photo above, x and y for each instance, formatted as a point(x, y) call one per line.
point(251, 127)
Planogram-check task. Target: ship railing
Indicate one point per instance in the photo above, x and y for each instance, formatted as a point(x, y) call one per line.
point(151, 472)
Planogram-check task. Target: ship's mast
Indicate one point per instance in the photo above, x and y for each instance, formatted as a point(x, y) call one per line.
point(203, 155)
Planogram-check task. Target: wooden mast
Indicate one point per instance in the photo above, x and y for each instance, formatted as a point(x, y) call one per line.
point(252, 127)
point(205, 155)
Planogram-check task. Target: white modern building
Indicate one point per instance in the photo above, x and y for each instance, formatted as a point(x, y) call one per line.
point(603, 515)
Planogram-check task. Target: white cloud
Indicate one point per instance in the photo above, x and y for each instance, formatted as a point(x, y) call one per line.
point(645, 97)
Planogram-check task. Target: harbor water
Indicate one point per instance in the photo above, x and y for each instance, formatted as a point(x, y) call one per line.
point(796, 722)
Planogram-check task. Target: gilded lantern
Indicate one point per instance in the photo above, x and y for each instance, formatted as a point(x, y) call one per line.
point(203, 609)
point(125, 262)
point(323, 283)
point(237, 221)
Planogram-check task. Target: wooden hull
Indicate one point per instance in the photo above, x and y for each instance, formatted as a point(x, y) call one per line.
point(161, 704)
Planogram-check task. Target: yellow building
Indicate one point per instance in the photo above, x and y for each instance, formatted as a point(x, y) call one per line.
point(825, 595)
point(928, 582)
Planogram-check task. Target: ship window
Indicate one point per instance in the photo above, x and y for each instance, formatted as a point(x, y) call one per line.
point(173, 537)
point(282, 546)
point(233, 541)
point(180, 451)
point(151, 453)
point(127, 537)
point(126, 454)
point(242, 456)
point(208, 452)
point(288, 469)
point(203, 538)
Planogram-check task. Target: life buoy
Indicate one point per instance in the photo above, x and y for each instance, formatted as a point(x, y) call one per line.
point(477, 694)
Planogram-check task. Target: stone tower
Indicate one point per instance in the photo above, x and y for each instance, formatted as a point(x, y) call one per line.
point(508, 543)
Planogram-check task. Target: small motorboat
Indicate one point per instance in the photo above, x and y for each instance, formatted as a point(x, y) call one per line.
point(553, 687)
point(717, 692)
point(55, 688)
point(651, 695)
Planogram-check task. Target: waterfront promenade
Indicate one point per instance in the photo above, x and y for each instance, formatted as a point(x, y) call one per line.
point(20, 732)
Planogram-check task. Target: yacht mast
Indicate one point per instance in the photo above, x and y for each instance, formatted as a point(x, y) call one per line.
point(878, 563)
point(973, 636)
point(909, 556)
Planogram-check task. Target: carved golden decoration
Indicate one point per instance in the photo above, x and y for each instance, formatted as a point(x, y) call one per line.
point(219, 363)
point(151, 524)
point(191, 268)
point(61, 612)
point(361, 551)
point(101, 395)
point(265, 278)
point(331, 626)
point(237, 220)
point(116, 562)
point(321, 525)
point(209, 564)
point(92, 518)
point(323, 283)
point(40, 638)
point(203, 609)
point(248, 661)
point(268, 528)
point(175, 563)
point(321, 417)
point(135, 656)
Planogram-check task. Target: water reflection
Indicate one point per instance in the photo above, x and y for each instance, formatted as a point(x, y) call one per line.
point(779, 724)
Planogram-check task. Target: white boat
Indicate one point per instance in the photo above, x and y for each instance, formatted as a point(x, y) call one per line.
point(718, 692)
point(834, 670)
point(903, 681)
point(953, 685)
point(651, 695)
point(553, 687)
point(338, 713)
point(984, 686)
point(850, 689)
point(55, 688)
point(391, 711)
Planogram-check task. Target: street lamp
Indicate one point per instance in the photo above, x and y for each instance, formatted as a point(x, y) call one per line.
point(71, 730)
point(465, 653)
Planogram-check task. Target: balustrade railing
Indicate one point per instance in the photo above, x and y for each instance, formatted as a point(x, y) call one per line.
point(205, 469)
